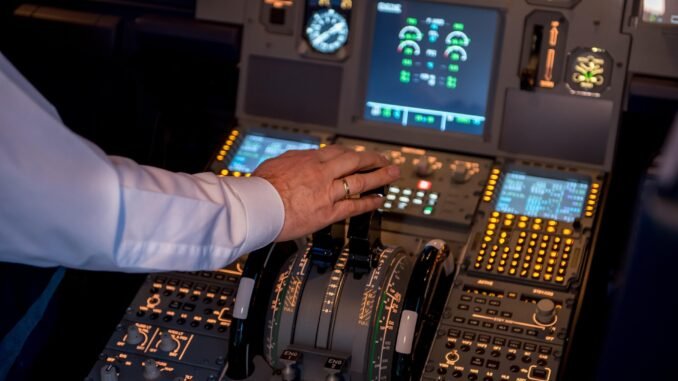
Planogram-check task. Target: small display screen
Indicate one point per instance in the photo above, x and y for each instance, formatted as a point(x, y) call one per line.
point(255, 149)
point(543, 197)
point(660, 12)
point(431, 65)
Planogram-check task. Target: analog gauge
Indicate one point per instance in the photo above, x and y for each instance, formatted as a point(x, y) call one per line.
point(327, 31)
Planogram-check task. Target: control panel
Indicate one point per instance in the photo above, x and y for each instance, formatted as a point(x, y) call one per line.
point(502, 117)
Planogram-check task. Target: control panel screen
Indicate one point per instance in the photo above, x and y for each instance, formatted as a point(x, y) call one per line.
point(431, 65)
point(534, 196)
point(255, 149)
point(660, 12)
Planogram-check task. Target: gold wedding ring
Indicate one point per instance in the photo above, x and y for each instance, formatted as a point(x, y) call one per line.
point(347, 190)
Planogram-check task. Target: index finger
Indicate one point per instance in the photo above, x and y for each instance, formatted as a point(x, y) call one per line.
point(351, 162)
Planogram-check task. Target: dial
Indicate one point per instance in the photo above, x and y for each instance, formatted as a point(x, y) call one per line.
point(327, 31)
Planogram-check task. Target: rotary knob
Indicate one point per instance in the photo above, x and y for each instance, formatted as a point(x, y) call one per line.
point(167, 343)
point(134, 337)
point(424, 167)
point(460, 174)
point(546, 312)
point(151, 370)
point(108, 372)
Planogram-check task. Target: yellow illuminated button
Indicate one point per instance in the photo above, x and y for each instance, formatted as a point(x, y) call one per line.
point(235, 132)
point(552, 261)
point(494, 220)
point(535, 275)
point(550, 229)
point(477, 265)
point(567, 231)
point(542, 252)
point(536, 227)
point(556, 240)
point(496, 171)
point(236, 174)
point(504, 256)
point(516, 256)
point(503, 234)
point(512, 271)
point(488, 239)
point(510, 216)
point(552, 223)
point(222, 152)
point(484, 245)
point(232, 137)
point(514, 263)
point(220, 158)
point(540, 260)
point(569, 241)
point(534, 236)
point(547, 276)
point(491, 260)
point(479, 258)
point(561, 271)
point(528, 258)
point(248, 174)
point(508, 222)
point(521, 241)
point(500, 269)
point(493, 254)
point(502, 262)
point(489, 232)
point(488, 267)
point(229, 143)
point(502, 241)
point(563, 263)
point(554, 254)
point(543, 245)
point(560, 279)
point(523, 273)
point(521, 225)
point(224, 172)
point(487, 199)
point(491, 226)
point(523, 234)
point(538, 221)
point(526, 265)
point(549, 269)
point(524, 218)
point(530, 250)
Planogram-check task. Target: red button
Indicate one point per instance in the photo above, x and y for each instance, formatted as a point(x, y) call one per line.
point(424, 185)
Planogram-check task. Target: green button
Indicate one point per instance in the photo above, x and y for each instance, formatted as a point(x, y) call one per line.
point(428, 210)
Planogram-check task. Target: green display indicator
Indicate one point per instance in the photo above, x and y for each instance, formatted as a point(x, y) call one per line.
point(459, 42)
point(428, 210)
point(451, 82)
point(425, 119)
point(405, 76)
point(408, 51)
point(386, 113)
point(453, 68)
point(407, 62)
point(462, 120)
point(458, 26)
point(411, 21)
point(411, 36)
point(455, 57)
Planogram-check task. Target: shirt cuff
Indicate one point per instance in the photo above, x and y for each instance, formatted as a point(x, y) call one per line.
point(264, 211)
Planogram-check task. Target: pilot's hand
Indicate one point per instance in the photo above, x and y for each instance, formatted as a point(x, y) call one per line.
point(311, 185)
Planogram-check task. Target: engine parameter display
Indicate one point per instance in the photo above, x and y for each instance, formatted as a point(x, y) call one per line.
point(255, 149)
point(431, 65)
point(534, 196)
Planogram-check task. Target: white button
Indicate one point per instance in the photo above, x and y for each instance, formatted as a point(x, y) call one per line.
point(417, 201)
point(404, 199)
point(387, 205)
point(433, 196)
point(390, 197)
point(394, 190)
point(421, 194)
point(402, 205)
point(407, 192)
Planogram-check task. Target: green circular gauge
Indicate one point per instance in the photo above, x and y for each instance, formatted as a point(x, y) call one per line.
point(327, 31)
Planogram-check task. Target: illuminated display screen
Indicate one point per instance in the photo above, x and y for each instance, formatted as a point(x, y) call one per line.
point(660, 11)
point(255, 149)
point(533, 196)
point(431, 65)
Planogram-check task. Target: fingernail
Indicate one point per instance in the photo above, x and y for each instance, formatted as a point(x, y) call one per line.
point(394, 171)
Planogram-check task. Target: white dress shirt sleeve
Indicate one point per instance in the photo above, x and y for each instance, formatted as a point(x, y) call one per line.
point(64, 202)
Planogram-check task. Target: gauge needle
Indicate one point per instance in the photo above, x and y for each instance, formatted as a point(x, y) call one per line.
point(324, 35)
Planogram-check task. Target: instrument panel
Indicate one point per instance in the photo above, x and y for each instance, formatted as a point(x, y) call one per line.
point(502, 117)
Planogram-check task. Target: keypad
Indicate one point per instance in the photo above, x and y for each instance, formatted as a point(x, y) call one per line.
point(523, 247)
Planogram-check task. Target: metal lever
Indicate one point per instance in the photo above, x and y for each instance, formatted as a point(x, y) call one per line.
point(364, 240)
point(327, 244)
